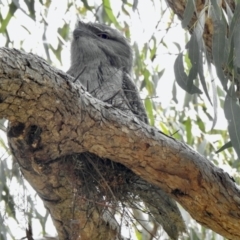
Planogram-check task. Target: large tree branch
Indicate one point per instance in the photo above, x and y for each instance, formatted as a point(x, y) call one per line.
point(51, 117)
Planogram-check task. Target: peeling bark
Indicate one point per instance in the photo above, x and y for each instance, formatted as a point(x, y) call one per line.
point(179, 6)
point(51, 117)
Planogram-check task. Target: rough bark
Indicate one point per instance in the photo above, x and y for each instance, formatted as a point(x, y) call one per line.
point(50, 117)
point(179, 6)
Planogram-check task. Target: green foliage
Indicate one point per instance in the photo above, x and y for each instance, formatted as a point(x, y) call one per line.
point(5, 21)
point(109, 13)
point(232, 113)
point(184, 81)
point(225, 56)
point(44, 27)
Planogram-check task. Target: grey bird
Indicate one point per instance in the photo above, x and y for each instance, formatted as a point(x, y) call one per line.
point(102, 61)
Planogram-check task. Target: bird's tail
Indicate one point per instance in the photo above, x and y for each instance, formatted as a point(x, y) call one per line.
point(161, 208)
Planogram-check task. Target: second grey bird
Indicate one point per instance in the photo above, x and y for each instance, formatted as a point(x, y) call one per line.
point(101, 59)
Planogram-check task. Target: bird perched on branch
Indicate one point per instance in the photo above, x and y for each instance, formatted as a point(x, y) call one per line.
point(102, 59)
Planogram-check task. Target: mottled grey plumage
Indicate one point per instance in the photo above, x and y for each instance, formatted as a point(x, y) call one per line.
point(102, 58)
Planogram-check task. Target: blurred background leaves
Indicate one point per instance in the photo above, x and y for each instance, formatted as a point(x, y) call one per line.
point(190, 106)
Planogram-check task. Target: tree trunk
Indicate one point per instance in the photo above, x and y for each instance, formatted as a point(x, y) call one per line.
point(201, 7)
point(51, 117)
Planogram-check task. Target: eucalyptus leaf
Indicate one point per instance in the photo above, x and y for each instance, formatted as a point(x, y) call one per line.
point(234, 21)
point(226, 52)
point(236, 47)
point(216, 11)
point(181, 76)
point(57, 52)
point(214, 90)
point(193, 52)
point(86, 5)
point(188, 13)
point(232, 40)
point(135, 3)
point(5, 22)
point(108, 9)
point(215, 102)
point(149, 108)
point(200, 27)
point(229, 12)
point(149, 84)
point(178, 46)
point(174, 93)
point(232, 114)
point(202, 77)
point(188, 126)
point(9, 201)
point(160, 74)
point(218, 50)
point(225, 146)
point(31, 9)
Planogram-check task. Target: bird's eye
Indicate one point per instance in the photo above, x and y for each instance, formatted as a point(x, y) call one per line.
point(103, 35)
